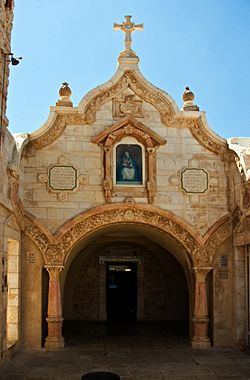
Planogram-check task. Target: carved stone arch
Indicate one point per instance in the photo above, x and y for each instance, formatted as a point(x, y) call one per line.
point(91, 221)
point(129, 127)
point(42, 240)
point(217, 234)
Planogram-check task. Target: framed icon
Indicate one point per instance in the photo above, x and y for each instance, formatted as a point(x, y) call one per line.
point(129, 164)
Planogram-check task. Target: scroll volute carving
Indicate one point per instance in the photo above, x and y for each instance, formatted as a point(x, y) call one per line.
point(128, 126)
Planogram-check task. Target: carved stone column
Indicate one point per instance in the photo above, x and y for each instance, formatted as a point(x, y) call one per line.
point(200, 339)
point(54, 340)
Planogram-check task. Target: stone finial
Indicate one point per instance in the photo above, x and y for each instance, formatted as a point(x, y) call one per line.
point(65, 94)
point(188, 98)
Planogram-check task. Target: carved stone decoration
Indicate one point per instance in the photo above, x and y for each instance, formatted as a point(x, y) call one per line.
point(13, 189)
point(37, 236)
point(53, 255)
point(124, 213)
point(199, 251)
point(127, 105)
point(221, 231)
point(62, 196)
point(42, 177)
point(130, 80)
point(208, 141)
point(128, 126)
point(55, 130)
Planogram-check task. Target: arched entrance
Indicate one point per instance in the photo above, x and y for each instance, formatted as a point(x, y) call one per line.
point(193, 253)
point(127, 273)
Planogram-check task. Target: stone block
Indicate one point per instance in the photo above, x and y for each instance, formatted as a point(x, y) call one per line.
point(69, 213)
point(73, 146)
point(95, 180)
point(92, 163)
point(38, 212)
point(99, 197)
point(12, 332)
point(13, 300)
point(12, 314)
point(195, 148)
point(104, 115)
point(13, 264)
point(29, 177)
point(13, 280)
point(55, 213)
point(181, 148)
point(44, 195)
point(58, 204)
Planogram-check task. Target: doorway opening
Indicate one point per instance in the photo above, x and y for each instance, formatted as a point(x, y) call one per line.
point(121, 291)
point(129, 285)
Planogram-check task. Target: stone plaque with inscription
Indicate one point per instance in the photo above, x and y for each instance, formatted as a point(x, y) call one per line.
point(62, 177)
point(194, 180)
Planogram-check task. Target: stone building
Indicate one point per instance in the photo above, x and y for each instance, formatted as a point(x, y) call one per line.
point(124, 208)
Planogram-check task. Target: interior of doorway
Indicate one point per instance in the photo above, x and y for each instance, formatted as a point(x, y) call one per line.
point(126, 288)
point(121, 291)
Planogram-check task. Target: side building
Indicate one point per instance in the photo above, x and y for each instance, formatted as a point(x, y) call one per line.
point(10, 233)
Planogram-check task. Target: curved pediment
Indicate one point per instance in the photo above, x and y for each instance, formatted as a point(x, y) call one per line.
point(129, 126)
point(133, 80)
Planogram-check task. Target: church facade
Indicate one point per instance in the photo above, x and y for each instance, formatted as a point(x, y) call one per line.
point(124, 208)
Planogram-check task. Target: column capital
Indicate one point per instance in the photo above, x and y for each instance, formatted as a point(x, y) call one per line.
point(201, 273)
point(54, 271)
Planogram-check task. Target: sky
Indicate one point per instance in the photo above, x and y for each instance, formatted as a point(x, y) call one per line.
point(203, 44)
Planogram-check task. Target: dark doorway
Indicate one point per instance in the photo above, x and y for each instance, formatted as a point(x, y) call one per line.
point(121, 291)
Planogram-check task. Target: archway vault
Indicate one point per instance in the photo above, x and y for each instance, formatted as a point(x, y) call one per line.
point(56, 248)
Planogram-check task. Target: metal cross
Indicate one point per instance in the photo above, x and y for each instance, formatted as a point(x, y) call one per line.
point(128, 27)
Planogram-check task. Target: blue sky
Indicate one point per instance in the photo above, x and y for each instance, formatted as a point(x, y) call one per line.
point(202, 44)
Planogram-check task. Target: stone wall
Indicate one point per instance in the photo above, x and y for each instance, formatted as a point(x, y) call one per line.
point(74, 147)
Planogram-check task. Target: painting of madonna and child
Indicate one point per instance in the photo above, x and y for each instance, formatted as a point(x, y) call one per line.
point(128, 164)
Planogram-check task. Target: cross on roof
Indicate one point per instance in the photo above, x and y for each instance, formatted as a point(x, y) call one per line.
point(128, 27)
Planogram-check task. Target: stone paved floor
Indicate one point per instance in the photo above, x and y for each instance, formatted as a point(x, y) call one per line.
point(140, 357)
